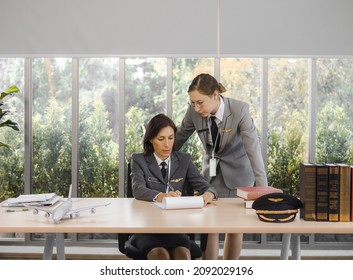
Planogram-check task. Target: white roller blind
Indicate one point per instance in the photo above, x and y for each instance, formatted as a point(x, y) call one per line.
point(108, 27)
point(176, 27)
point(286, 27)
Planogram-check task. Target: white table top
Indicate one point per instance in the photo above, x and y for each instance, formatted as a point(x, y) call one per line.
point(127, 215)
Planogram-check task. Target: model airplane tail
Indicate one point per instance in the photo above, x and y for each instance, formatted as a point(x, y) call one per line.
point(70, 189)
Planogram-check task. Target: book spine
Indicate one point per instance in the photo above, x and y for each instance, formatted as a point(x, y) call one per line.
point(321, 193)
point(345, 193)
point(333, 193)
point(307, 189)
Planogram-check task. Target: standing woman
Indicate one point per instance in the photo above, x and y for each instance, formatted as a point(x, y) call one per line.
point(232, 149)
point(161, 172)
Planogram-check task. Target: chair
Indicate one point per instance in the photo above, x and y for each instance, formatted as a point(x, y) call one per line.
point(131, 251)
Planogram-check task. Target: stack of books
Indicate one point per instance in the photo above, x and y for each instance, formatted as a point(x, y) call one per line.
point(326, 191)
point(44, 199)
point(249, 193)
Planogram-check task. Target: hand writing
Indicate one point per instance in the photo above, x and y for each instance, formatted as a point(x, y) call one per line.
point(171, 193)
point(174, 193)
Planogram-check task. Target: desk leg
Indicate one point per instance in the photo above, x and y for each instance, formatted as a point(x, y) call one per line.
point(286, 237)
point(48, 246)
point(296, 255)
point(60, 246)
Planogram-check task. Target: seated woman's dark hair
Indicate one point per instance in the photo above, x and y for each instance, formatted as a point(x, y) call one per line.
point(153, 127)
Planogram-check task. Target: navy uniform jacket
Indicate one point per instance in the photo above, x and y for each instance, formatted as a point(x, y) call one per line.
point(147, 179)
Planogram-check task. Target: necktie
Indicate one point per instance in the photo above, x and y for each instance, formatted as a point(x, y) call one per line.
point(214, 132)
point(164, 170)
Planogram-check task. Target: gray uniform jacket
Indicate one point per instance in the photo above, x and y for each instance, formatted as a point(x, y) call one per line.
point(147, 180)
point(239, 156)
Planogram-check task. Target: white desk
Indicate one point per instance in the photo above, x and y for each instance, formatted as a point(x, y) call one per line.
point(127, 215)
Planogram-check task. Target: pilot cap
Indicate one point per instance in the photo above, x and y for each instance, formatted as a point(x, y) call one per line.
point(277, 207)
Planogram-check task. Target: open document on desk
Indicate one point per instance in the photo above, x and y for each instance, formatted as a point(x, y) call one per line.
point(181, 202)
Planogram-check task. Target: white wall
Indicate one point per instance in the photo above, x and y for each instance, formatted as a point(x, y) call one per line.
point(176, 27)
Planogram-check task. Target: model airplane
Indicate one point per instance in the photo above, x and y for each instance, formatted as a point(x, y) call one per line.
point(64, 210)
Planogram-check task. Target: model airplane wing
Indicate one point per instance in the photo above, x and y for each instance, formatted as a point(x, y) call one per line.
point(92, 208)
point(48, 210)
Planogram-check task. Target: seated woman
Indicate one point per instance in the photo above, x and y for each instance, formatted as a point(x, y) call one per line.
point(150, 184)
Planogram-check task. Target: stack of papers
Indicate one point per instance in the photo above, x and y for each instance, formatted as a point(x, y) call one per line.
point(181, 202)
point(44, 199)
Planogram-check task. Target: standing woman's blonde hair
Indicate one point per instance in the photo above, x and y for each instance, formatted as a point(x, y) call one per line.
point(206, 84)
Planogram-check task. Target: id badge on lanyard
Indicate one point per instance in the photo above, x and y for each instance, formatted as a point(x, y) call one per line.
point(213, 161)
point(213, 166)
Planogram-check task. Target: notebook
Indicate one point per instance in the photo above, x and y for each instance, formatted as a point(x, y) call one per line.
point(181, 202)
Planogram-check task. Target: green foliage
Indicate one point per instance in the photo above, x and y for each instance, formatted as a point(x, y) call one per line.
point(11, 158)
point(98, 172)
point(3, 112)
point(285, 152)
point(288, 92)
point(12, 170)
point(288, 119)
point(136, 119)
point(52, 149)
point(145, 86)
point(335, 103)
point(334, 138)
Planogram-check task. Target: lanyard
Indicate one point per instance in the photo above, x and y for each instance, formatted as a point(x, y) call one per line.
point(214, 144)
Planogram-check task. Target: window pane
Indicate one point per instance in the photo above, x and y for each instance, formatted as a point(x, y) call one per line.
point(145, 96)
point(184, 71)
point(334, 127)
point(98, 127)
point(287, 122)
point(241, 78)
point(52, 91)
point(12, 160)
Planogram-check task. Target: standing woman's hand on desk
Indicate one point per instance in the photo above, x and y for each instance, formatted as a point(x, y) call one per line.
point(208, 197)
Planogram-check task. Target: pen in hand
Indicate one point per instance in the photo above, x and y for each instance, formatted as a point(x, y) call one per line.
point(173, 193)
